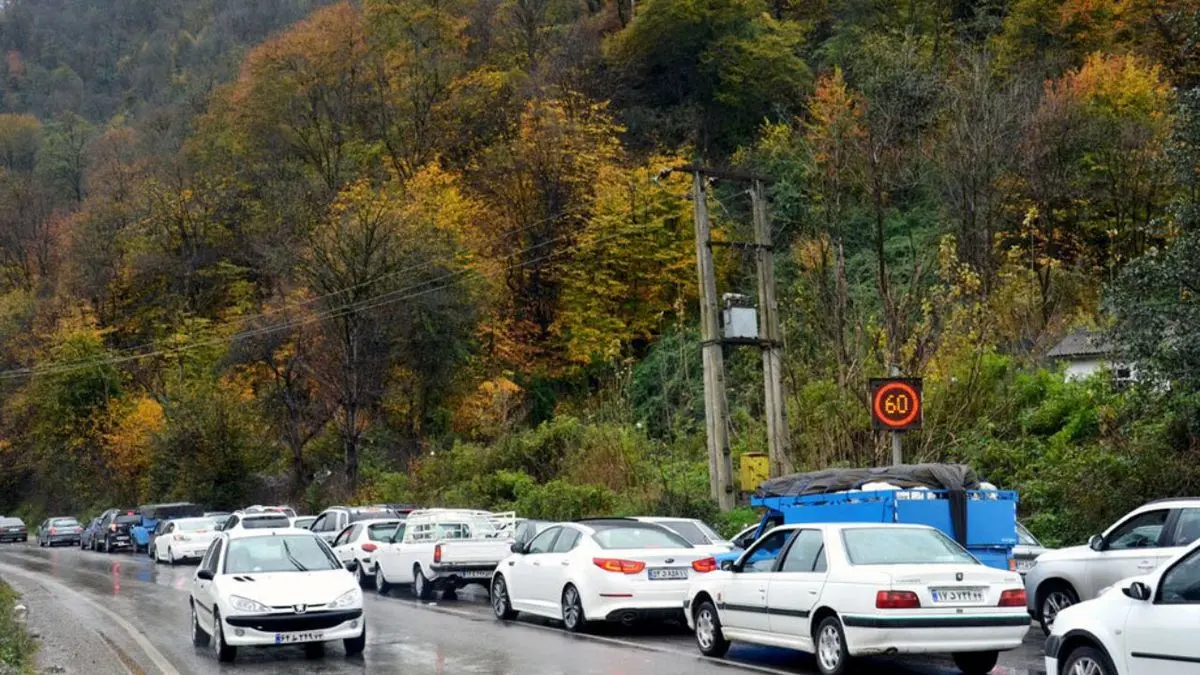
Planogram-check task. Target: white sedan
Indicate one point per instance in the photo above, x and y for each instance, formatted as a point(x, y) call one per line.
point(274, 587)
point(841, 591)
point(360, 542)
point(696, 531)
point(1145, 624)
point(611, 569)
point(184, 539)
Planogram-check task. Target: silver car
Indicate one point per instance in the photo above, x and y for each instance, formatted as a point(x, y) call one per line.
point(1027, 550)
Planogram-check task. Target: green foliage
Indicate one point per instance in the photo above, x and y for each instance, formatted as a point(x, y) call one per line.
point(17, 648)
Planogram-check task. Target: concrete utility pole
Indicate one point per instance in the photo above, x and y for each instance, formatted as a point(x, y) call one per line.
point(716, 415)
point(897, 452)
point(772, 338)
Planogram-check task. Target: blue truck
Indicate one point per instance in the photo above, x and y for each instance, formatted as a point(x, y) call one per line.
point(149, 516)
point(947, 497)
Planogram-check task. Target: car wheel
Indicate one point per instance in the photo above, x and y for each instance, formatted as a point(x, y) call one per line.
point(709, 637)
point(171, 556)
point(833, 658)
point(314, 650)
point(501, 603)
point(355, 646)
point(572, 610)
point(421, 586)
point(381, 584)
point(1087, 661)
point(977, 663)
point(199, 637)
point(1054, 600)
point(224, 653)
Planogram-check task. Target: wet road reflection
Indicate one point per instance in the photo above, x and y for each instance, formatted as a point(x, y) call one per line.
point(448, 638)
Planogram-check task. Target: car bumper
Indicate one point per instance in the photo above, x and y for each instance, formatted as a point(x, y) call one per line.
point(63, 539)
point(464, 574)
point(292, 629)
point(635, 609)
point(187, 550)
point(881, 635)
point(14, 537)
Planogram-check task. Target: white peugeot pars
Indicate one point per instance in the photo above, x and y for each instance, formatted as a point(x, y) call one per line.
point(262, 587)
point(845, 590)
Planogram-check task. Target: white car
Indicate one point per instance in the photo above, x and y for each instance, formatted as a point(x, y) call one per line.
point(1145, 624)
point(1136, 545)
point(444, 550)
point(841, 591)
point(303, 522)
point(612, 569)
point(247, 520)
point(184, 539)
point(695, 531)
point(360, 541)
point(260, 587)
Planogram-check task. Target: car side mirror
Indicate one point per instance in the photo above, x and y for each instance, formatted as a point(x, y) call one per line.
point(351, 566)
point(736, 567)
point(727, 565)
point(1096, 543)
point(517, 547)
point(206, 575)
point(1138, 591)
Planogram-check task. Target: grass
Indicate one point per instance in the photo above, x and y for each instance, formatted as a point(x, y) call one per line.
point(16, 647)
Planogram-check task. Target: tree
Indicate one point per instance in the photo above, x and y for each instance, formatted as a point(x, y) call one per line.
point(63, 159)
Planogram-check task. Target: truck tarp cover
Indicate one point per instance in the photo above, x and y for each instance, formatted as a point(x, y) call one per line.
point(933, 476)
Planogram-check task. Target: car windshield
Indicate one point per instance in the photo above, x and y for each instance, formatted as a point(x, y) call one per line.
point(194, 524)
point(64, 522)
point(356, 516)
point(381, 531)
point(285, 553)
point(266, 522)
point(630, 536)
point(1025, 537)
point(902, 546)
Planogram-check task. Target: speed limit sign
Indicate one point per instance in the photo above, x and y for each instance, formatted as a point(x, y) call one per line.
point(896, 404)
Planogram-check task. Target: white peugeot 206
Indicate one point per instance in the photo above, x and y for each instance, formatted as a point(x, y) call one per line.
point(262, 587)
point(841, 591)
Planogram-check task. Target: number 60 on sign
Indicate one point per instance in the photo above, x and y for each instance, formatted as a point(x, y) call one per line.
point(896, 404)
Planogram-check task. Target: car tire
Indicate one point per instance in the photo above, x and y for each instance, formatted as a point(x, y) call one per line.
point(422, 588)
point(1088, 660)
point(573, 618)
point(976, 663)
point(356, 645)
point(709, 637)
point(1054, 599)
point(224, 652)
point(829, 642)
point(360, 577)
point(314, 650)
point(199, 637)
point(171, 557)
point(381, 584)
point(501, 602)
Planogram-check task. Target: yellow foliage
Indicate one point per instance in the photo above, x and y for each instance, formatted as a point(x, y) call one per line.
point(490, 410)
point(129, 439)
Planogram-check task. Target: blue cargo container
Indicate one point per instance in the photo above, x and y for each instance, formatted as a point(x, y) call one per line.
point(989, 528)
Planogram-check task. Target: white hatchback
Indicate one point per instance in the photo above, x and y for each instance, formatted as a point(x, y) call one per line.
point(261, 587)
point(842, 591)
point(611, 569)
point(184, 539)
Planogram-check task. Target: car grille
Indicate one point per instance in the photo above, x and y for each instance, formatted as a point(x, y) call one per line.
point(285, 623)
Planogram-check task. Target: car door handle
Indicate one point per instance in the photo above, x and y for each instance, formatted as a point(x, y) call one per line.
point(537, 564)
point(511, 563)
point(565, 563)
point(1145, 565)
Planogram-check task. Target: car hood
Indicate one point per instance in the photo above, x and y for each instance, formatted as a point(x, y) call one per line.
point(285, 589)
point(1069, 553)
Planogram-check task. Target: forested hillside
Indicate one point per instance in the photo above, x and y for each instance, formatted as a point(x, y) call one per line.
point(423, 250)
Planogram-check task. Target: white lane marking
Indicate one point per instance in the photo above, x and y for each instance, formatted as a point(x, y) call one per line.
point(650, 647)
point(154, 655)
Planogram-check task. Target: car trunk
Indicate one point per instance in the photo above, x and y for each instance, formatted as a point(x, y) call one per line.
point(950, 587)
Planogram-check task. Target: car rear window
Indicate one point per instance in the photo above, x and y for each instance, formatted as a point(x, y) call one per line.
point(10, 522)
point(902, 546)
point(356, 516)
point(643, 537)
point(688, 531)
point(381, 531)
point(129, 518)
point(194, 524)
point(266, 522)
point(64, 522)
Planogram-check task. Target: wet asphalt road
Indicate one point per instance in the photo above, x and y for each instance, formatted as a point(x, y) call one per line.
point(405, 636)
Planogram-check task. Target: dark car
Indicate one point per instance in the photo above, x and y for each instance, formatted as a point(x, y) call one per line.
point(63, 530)
point(87, 540)
point(13, 529)
point(115, 530)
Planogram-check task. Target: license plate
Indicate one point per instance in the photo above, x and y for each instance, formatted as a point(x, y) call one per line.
point(1024, 565)
point(288, 638)
point(475, 574)
point(957, 595)
point(657, 573)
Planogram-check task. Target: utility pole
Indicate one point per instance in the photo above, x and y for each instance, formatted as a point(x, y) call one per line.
point(897, 452)
point(772, 338)
point(716, 415)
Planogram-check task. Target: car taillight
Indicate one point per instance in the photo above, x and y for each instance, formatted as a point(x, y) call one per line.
point(705, 565)
point(53, 531)
point(112, 527)
point(1013, 598)
point(617, 565)
point(368, 547)
point(896, 600)
point(437, 553)
point(1012, 564)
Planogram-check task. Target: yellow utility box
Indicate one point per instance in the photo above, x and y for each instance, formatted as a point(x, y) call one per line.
point(753, 469)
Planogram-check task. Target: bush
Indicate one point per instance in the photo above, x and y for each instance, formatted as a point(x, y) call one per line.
point(17, 648)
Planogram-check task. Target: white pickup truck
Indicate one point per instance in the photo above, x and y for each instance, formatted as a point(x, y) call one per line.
point(445, 549)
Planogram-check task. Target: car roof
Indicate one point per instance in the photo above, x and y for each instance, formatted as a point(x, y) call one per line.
point(1173, 501)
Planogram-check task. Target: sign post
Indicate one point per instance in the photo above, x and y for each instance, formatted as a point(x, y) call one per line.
point(896, 406)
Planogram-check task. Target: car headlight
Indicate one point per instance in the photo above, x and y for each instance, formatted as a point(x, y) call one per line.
point(247, 605)
point(350, 598)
